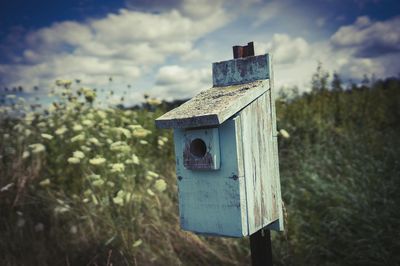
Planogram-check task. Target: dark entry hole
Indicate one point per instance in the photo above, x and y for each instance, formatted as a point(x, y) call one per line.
point(198, 148)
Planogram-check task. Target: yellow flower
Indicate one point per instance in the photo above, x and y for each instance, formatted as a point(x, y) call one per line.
point(73, 160)
point(97, 161)
point(160, 185)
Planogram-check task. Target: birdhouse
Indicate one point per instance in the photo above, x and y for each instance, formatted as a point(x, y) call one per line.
point(226, 150)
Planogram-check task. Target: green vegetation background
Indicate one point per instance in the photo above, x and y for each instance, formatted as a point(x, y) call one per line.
point(87, 186)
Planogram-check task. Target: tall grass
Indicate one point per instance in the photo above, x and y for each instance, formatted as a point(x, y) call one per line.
point(83, 185)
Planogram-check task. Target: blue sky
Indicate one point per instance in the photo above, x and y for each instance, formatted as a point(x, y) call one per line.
point(165, 47)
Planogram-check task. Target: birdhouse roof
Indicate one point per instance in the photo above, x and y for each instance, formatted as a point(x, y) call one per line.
point(214, 106)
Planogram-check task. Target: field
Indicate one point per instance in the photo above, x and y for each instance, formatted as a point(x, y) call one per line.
point(84, 185)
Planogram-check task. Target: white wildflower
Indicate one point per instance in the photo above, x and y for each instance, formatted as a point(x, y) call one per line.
point(150, 192)
point(97, 161)
point(160, 185)
point(141, 132)
point(77, 127)
point(46, 136)
point(150, 175)
point(284, 133)
point(61, 130)
point(37, 148)
point(137, 243)
point(45, 182)
point(73, 160)
point(98, 182)
point(120, 146)
point(94, 141)
point(117, 168)
point(25, 154)
point(87, 123)
point(79, 154)
point(79, 137)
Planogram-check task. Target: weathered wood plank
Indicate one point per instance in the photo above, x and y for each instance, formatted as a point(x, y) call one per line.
point(214, 106)
point(279, 224)
point(256, 141)
point(241, 70)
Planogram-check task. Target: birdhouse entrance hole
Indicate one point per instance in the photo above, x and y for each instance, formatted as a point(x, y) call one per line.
point(198, 148)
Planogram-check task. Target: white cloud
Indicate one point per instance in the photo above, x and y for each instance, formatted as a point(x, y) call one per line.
point(173, 81)
point(285, 49)
point(369, 38)
point(127, 44)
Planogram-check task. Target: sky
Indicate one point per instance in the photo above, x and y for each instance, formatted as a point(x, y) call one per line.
point(165, 48)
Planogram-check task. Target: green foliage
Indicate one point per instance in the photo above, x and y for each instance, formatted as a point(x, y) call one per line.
point(83, 185)
point(340, 176)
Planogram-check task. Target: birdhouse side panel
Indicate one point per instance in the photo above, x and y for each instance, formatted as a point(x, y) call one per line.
point(210, 201)
point(258, 164)
point(279, 224)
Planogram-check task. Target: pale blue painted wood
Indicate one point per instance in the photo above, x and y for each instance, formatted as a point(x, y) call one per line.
point(243, 195)
point(241, 70)
point(210, 201)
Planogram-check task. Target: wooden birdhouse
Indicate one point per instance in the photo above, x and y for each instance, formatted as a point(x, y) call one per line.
point(226, 150)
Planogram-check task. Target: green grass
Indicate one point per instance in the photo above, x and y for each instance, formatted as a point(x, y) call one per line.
point(339, 172)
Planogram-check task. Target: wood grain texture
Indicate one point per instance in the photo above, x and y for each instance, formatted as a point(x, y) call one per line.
point(214, 106)
point(279, 224)
point(241, 70)
point(257, 161)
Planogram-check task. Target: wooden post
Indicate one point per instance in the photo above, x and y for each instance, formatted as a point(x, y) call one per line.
point(261, 248)
point(260, 242)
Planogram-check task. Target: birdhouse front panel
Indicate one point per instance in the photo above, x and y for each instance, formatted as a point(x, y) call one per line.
point(212, 201)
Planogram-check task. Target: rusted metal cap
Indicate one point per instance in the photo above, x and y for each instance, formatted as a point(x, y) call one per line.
point(243, 51)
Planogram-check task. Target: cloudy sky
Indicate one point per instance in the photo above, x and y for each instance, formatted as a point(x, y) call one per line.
point(165, 47)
